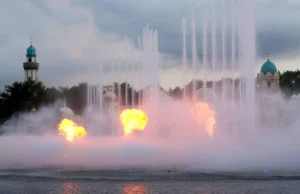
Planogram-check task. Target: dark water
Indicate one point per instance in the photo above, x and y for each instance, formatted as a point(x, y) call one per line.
point(52, 186)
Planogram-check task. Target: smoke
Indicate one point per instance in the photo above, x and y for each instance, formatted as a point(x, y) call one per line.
point(172, 138)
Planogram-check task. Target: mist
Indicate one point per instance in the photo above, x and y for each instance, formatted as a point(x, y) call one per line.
point(171, 139)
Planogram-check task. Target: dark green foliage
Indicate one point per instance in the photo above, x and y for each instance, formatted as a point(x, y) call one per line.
point(290, 83)
point(76, 97)
point(24, 96)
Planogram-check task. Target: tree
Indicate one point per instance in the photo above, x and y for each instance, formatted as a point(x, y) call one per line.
point(176, 93)
point(25, 96)
point(52, 95)
point(290, 83)
point(76, 97)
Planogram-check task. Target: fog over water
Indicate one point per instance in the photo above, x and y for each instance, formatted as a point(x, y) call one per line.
point(172, 138)
point(243, 140)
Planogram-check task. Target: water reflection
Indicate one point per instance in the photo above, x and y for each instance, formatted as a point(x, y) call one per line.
point(134, 189)
point(69, 188)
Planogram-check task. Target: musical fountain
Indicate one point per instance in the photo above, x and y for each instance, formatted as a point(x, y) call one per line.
point(175, 134)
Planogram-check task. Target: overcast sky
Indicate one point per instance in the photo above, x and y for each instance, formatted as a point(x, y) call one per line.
point(71, 36)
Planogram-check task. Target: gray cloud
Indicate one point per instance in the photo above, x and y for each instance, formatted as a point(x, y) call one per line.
point(276, 22)
point(278, 27)
point(72, 36)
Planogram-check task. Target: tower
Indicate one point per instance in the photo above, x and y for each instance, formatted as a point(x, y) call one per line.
point(31, 66)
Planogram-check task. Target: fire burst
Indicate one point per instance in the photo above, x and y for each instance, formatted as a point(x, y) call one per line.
point(70, 130)
point(205, 116)
point(133, 120)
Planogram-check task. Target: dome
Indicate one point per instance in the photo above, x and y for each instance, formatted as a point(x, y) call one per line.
point(31, 51)
point(110, 95)
point(66, 112)
point(268, 67)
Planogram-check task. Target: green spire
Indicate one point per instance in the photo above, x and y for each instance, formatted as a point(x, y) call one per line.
point(31, 52)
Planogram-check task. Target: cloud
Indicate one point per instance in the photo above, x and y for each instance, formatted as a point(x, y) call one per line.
point(72, 37)
point(66, 38)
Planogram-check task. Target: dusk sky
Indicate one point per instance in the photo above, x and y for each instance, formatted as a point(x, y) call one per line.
point(71, 35)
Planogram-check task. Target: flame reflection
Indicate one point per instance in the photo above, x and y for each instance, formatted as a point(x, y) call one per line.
point(69, 188)
point(134, 189)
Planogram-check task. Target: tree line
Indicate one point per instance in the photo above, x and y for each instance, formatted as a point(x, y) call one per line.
point(21, 97)
point(289, 85)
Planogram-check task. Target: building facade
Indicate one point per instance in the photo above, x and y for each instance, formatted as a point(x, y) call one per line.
point(268, 78)
point(269, 95)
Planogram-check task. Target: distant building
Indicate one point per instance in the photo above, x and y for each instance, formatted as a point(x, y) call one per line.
point(269, 95)
point(31, 66)
point(268, 78)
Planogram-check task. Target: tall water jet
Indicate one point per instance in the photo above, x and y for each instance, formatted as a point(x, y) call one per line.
point(141, 66)
point(213, 50)
point(132, 77)
point(184, 53)
point(194, 57)
point(242, 49)
point(126, 74)
point(119, 84)
point(233, 58)
point(249, 60)
point(204, 54)
point(224, 61)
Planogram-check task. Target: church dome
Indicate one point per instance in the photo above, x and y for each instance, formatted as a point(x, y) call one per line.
point(66, 112)
point(268, 67)
point(31, 51)
point(109, 95)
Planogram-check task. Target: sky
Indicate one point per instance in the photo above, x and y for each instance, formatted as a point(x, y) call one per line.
point(74, 36)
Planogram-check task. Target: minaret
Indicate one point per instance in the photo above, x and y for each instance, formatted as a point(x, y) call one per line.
point(31, 66)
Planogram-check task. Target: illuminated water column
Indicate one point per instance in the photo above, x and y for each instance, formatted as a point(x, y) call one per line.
point(194, 57)
point(204, 54)
point(213, 51)
point(224, 68)
point(94, 93)
point(119, 83)
point(139, 67)
point(248, 55)
point(150, 73)
point(184, 55)
point(233, 60)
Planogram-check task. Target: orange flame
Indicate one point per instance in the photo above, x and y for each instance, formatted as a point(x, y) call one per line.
point(70, 130)
point(205, 116)
point(133, 120)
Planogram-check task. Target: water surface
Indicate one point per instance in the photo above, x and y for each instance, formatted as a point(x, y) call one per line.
point(25, 185)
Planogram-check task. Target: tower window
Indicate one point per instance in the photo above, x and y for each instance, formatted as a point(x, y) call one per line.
point(269, 84)
point(29, 60)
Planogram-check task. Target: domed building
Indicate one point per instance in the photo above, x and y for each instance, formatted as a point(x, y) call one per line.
point(268, 95)
point(31, 66)
point(109, 99)
point(268, 78)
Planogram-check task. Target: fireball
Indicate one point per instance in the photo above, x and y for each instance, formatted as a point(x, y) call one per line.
point(133, 120)
point(70, 130)
point(204, 115)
